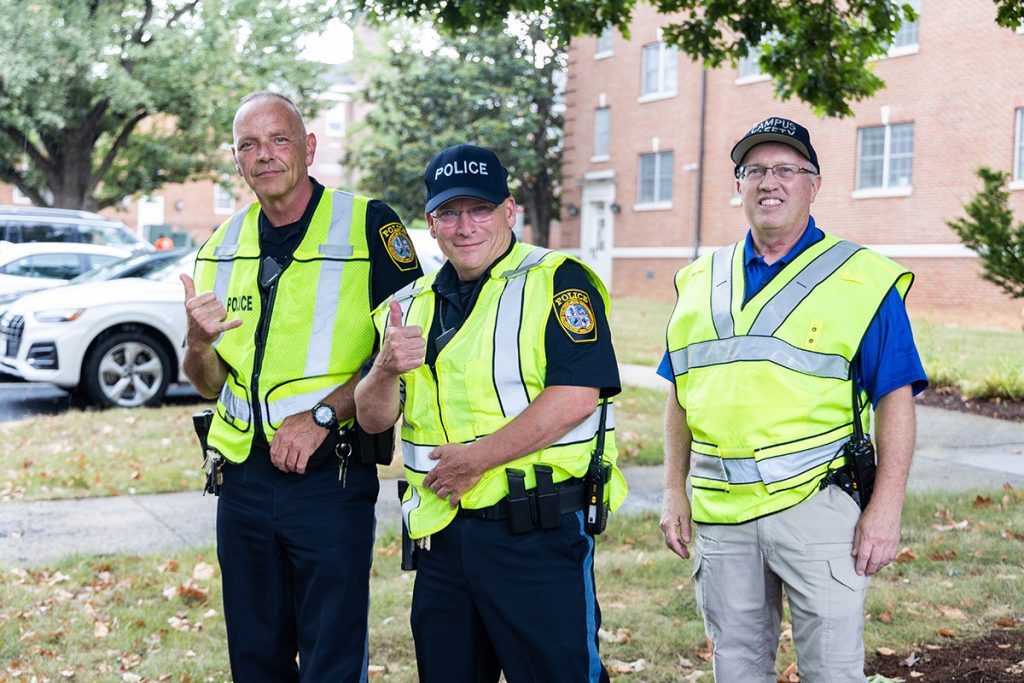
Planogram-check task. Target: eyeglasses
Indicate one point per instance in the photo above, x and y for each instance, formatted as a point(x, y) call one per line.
point(479, 214)
point(781, 171)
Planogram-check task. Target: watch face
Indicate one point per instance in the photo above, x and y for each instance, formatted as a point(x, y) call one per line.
point(323, 415)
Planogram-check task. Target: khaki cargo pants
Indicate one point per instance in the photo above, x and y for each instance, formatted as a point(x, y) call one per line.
point(741, 570)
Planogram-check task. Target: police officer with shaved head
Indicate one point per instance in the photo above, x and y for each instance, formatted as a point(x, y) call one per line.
point(501, 366)
point(777, 347)
point(278, 329)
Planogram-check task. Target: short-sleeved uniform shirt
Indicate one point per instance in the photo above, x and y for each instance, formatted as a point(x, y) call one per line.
point(572, 359)
point(387, 275)
point(888, 358)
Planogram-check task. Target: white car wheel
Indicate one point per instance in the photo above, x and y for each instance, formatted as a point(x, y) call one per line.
point(126, 370)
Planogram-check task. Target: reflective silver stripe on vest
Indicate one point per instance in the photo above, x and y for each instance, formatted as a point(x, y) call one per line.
point(234, 406)
point(769, 470)
point(410, 505)
point(721, 291)
point(532, 259)
point(325, 309)
point(771, 349)
point(775, 312)
point(417, 457)
point(508, 375)
point(278, 410)
point(680, 361)
point(226, 249)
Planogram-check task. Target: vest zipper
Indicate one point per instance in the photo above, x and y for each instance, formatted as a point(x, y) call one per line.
point(262, 331)
point(437, 397)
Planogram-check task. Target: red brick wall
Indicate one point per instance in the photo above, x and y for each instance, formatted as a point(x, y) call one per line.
point(960, 90)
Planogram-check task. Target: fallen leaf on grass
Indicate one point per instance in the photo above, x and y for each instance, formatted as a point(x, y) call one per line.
point(100, 630)
point(947, 632)
point(1012, 535)
point(885, 651)
point(885, 617)
point(951, 612)
point(911, 660)
point(708, 653)
point(982, 502)
point(621, 635)
point(190, 592)
point(938, 556)
point(617, 666)
point(1006, 623)
point(202, 571)
point(790, 675)
point(956, 526)
point(905, 555)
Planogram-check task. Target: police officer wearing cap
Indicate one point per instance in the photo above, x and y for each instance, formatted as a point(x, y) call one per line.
point(768, 343)
point(278, 329)
point(498, 364)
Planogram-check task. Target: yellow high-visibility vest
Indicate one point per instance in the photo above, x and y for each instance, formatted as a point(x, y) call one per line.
point(489, 372)
point(767, 386)
point(316, 333)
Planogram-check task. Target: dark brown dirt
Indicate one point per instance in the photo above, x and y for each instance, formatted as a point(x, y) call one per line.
point(996, 658)
point(951, 399)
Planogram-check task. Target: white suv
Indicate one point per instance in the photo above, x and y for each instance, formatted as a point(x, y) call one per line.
point(36, 224)
point(38, 265)
point(118, 342)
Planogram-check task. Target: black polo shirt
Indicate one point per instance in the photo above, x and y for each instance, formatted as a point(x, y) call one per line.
point(573, 359)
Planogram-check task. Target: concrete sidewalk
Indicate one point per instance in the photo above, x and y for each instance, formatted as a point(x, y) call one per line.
point(955, 451)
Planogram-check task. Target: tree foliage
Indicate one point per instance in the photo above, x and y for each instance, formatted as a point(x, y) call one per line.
point(988, 230)
point(102, 99)
point(816, 51)
point(492, 88)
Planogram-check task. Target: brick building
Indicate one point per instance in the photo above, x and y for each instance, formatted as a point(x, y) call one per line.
point(637, 203)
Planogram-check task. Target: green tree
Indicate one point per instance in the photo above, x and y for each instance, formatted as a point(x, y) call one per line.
point(988, 231)
point(102, 99)
point(819, 51)
point(492, 88)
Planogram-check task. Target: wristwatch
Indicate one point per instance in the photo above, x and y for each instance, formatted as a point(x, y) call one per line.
point(324, 416)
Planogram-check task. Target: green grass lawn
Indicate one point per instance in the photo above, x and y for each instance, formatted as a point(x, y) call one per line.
point(159, 617)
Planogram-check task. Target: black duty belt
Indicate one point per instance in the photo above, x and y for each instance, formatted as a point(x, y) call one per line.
point(570, 495)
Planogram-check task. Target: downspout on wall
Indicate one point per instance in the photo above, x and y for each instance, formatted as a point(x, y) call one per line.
point(700, 162)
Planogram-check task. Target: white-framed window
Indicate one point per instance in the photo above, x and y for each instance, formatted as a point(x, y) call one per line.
point(337, 120)
point(749, 68)
point(223, 200)
point(19, 197)
point(885, 157)
point(602, 133)
point(1018, 164)
point(654, 186)
point(906, 41)
point(660, 67)
point(604, 43)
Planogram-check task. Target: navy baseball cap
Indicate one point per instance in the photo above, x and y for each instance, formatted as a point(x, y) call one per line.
point(776, 130)
point(465, 171)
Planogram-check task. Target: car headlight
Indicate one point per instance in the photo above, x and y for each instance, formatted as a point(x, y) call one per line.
point(59, 315)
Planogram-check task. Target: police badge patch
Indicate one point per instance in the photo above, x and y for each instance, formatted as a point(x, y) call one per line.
point(399, 246)
point(575, 315)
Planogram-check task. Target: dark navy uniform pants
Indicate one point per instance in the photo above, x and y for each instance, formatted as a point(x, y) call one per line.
point(487, 601)
point(295, 553)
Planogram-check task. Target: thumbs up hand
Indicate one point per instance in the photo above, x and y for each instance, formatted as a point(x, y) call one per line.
point(205, 315)
point(404, 347)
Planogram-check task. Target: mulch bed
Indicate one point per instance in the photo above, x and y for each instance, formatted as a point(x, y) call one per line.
point(951, 399)
point(996, 658)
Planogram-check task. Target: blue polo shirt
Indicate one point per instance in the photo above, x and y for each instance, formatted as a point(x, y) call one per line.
point(888, 358)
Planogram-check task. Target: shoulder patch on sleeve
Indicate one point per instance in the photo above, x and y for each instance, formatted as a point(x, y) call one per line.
point(575, 314)
point(399, 246)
